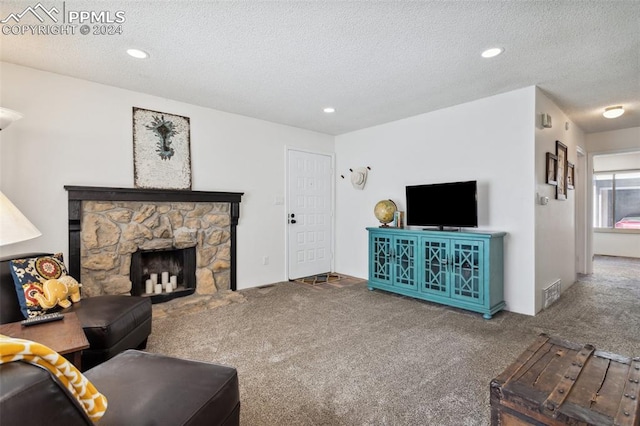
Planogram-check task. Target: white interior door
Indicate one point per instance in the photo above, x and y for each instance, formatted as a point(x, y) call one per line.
point(309, 196)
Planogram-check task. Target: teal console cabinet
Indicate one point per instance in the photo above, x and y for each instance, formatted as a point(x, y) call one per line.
point(460, 269)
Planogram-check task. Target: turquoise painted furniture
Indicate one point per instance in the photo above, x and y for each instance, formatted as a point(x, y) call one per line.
point(460, 269)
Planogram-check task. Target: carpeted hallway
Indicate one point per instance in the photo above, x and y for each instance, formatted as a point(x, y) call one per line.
point(348, 356)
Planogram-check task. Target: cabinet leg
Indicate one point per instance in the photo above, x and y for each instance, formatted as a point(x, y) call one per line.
point(370, 288)
point(487, 316)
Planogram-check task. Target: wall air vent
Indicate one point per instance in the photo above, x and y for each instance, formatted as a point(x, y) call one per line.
point(551, 294)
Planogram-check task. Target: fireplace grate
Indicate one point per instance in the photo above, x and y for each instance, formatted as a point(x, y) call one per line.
point(153, 264)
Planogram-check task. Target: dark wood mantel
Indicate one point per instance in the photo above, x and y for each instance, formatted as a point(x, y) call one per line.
point(78, 194)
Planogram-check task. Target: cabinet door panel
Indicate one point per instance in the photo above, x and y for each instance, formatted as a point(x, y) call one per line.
point(405, 262)
point(435, 273)
point(381, 262)
point(467, 270)
point(459, 269)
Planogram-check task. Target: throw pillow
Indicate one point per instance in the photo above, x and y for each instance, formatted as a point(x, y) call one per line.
point(29, 275)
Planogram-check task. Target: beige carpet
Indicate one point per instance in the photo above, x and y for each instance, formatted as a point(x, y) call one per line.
point(349, 356)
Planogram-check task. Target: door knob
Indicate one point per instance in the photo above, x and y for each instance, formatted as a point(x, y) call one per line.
point(293, 221)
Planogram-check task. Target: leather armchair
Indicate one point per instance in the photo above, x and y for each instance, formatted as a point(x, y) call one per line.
point(112, 324)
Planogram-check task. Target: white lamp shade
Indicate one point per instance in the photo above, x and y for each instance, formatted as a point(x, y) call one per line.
point(14, 226)
point(8, 116)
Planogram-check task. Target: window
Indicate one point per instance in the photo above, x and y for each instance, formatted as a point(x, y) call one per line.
point(616, 198)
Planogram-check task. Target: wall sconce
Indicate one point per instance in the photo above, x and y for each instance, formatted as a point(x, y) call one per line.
point(546, 121)
point(8, 116)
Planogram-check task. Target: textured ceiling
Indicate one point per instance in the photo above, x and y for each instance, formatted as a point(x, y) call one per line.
point(374, 62)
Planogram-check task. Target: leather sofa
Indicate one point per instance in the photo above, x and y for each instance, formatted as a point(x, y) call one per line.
point(112, 324)
point(140, 388)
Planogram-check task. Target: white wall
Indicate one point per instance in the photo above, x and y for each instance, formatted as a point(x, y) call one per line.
point(490, 140)
point(77, 132)
point(625, 244)
point(555, 253)
point(619, 161)
point(615, 141)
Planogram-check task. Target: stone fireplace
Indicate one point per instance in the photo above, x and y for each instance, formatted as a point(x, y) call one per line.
point(113, 230)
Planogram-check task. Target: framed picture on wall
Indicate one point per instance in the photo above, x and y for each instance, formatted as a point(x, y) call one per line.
point(552, 169)
point(161, 150)
point(570, 175)
point(561, 174)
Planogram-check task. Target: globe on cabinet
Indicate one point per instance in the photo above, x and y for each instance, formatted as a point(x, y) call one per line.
point(384, 211)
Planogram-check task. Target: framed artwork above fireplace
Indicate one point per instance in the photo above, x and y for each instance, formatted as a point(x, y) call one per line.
point(161, 150)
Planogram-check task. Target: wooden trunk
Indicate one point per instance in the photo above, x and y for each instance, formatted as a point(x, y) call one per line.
point(555, 382)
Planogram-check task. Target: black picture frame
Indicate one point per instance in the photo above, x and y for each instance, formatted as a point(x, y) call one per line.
point(571, 177)
point(561, 172)
point(552, 169)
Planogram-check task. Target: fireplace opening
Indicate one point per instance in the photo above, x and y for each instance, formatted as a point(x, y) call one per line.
point(163, 274)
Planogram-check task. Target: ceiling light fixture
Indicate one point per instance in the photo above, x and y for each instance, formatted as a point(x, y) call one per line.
point(329, 110)
point(137, 53)
point(613, 112)
point(494, 51)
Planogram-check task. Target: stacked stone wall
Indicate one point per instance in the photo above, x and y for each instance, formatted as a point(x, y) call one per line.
point(112, 231)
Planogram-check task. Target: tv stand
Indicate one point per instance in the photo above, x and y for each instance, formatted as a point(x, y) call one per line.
point(441, 228)
point(460, 269)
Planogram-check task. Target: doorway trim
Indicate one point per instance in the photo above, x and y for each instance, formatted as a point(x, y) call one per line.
point(590, 227)
point(287, 204)
point(581, 212)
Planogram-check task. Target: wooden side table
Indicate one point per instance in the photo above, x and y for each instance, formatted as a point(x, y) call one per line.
point(65, 336)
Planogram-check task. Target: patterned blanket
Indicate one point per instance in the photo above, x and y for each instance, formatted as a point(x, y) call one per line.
point(93, 402)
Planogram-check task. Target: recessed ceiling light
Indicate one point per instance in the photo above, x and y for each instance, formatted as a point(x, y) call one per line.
point(613, 112)
point(329, 110)
point(137, 53)
point(494, 51)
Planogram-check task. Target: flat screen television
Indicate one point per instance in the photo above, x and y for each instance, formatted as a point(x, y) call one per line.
point(451, 204)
